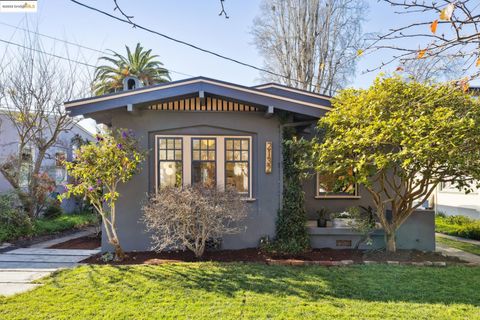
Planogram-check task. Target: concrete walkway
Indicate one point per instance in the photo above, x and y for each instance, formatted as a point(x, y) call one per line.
point(471, 258)
point(475, 242)
point(19, 267)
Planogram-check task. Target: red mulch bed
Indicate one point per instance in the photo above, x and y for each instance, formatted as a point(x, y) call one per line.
point(255, 255)
point(87, 242)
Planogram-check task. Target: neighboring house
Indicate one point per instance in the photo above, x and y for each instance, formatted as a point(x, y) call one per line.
point(53, 163)
point(202, 130)
point(451, 201)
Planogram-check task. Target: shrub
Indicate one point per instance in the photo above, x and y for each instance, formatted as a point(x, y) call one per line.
point(13, 221)
point(54, 210)
point(191, 216)
point(458, 226)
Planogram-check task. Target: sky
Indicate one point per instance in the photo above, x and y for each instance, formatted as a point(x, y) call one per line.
point(194, 21)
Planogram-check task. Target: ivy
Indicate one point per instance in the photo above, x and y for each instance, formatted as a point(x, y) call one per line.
point(291, 233)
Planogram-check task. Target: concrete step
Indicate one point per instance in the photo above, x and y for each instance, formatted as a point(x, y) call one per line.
point(21, 276)
point(9, 289)
point(40, 266)
point(54, 252)
point(40, 258)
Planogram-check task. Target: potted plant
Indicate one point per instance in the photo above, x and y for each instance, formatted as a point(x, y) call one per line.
point(323, 216)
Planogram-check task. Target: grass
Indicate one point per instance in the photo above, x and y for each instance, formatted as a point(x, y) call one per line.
point(464, 246)
point(251, 291)
point(42, 227)
point(458, 226)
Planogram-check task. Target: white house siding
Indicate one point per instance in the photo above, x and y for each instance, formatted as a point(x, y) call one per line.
point(453, 202)
point(9, 146)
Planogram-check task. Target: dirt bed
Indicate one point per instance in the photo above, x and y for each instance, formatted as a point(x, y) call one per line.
point(87, 242)
point(255, 255)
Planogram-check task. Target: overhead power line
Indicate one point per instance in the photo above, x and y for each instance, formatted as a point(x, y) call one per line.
point(54, 38)
point(71, 43)
point(128, 20)
point(47, 53)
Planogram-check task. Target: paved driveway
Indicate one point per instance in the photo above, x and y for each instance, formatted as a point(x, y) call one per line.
point(21, 266)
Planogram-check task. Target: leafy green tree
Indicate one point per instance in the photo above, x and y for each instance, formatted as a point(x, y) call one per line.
point(140, 63)
point(97, 171)
point(401, 139)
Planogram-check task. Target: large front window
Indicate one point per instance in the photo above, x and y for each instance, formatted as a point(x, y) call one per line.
point(204, 160)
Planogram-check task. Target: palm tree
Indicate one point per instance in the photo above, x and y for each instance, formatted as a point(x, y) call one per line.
point(141, 64)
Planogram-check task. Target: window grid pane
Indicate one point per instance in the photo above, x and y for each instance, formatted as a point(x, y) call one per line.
point(237, 160)
point(170, 162)
point(204, 161)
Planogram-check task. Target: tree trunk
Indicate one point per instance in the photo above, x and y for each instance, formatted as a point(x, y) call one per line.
point(119, 253)
point(390, 241)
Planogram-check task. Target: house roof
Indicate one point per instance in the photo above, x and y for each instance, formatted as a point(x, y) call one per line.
point(274, 95)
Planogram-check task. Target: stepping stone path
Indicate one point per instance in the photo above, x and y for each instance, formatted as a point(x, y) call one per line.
point(19, 267)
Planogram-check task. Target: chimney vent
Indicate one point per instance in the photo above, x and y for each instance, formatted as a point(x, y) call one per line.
point(130, 83)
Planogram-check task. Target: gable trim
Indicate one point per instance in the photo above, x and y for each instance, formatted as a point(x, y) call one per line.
point(172, 85)
point(294, 90)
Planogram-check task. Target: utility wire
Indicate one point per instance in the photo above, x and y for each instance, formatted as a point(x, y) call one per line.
point(54, 38)
point(47, 53)
point(218, 55)
point(73, 44)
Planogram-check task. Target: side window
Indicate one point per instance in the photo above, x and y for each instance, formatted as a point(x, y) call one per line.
point(170, 162)
point(60, 158)
point(335, 186)
point(237, 164)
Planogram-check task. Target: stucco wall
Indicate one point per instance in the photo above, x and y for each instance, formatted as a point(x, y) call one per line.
point(458, 203)
point(265, 187)
point(417, 232)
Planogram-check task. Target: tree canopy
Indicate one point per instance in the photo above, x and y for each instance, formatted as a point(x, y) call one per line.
point(401, 139)
point(139, 63)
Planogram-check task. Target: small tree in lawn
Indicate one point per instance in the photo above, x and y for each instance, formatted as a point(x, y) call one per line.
point(401, 139)
point(191, 216)
point(98, 169)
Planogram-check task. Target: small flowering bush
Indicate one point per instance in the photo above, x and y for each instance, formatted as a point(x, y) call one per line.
point(98, 169)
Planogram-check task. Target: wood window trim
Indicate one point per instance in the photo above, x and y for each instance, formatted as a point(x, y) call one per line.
point(208, 150)
point(220, 159)
point(157, 160)
point(248, 161)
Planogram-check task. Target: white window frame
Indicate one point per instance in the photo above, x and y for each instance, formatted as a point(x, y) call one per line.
point(219, 156)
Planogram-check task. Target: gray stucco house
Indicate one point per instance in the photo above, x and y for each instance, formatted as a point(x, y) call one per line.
point(52, 164)
point(205, 130)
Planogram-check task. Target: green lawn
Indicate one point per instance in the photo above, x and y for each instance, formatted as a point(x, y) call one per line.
point(42, 227)
point(251, 291)
point(467, 247)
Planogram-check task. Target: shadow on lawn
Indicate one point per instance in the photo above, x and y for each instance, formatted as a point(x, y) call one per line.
point(451, 285)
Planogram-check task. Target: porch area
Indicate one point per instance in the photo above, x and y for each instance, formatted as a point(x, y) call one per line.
point(418, 233)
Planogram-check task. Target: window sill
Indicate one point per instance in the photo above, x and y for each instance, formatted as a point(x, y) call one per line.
point(249, 199)
point(337, 197)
